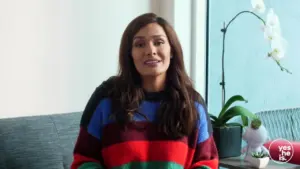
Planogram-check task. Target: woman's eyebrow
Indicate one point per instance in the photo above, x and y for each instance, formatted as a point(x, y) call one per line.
point(153, 36)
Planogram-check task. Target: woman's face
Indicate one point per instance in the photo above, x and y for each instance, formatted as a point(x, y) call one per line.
point(151, 51)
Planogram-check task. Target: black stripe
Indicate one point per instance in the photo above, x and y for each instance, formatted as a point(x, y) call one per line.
point(141, 131)
point(88, 145)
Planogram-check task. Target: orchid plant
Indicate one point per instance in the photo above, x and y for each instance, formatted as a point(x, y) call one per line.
point(272, 33)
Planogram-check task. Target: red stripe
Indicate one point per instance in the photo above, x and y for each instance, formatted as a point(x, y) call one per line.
point(189, 158)
point(213, 164)
point(79, 160)
point(143, 151)
point(206, 150)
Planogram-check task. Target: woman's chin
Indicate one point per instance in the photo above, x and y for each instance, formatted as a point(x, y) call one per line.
point(152, 73)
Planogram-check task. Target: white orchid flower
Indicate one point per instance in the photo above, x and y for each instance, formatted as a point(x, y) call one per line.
point(278, 47)
point(272, 28)
point(271, 33)
point(258, 6)
point(272, 19)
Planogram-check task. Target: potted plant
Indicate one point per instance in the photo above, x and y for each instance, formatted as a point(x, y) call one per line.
point(258, 160)
point(228, 135)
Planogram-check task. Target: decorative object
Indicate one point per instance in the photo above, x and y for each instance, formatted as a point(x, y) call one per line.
point(258, 159)
point(255, 136)
point(223, 132)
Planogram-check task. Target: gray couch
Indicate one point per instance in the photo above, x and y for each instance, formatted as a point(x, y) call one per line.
point(47, 142)
point(40, 142)
point(282, 123)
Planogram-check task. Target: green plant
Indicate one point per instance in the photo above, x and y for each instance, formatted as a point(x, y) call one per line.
point(256, 123)
point(272, 33)
point(259, 154)
point(227, 113)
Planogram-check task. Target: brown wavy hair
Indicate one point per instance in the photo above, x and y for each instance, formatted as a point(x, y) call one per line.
point(177, 115)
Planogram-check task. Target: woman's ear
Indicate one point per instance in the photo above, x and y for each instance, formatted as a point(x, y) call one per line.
point(171, 54)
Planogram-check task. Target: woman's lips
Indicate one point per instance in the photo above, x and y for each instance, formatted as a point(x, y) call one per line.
point(152, 63)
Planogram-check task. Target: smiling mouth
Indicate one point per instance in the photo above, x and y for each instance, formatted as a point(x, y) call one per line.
point(152, 62)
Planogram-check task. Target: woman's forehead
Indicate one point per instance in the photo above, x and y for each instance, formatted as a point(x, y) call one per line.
point(151, 30)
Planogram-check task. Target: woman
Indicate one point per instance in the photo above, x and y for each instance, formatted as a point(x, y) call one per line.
point(149, 115)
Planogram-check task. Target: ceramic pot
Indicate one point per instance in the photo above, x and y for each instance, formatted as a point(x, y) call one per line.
point(257, 162)
point(228, 141)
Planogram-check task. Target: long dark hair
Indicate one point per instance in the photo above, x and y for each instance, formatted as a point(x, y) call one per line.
point(177, 115)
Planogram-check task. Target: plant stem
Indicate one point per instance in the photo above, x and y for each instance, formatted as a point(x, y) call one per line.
point(282, 68)
point(223, 67)
point(224, 30)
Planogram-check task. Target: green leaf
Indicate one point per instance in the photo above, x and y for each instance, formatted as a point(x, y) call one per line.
point(233, 124)
point(261, 154)
point(229, 102)
point(236, 111)
point(245, 120)
point(213, 117)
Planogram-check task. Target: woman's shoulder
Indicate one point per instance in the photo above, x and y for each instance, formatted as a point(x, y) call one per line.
point(105, 88)
point(204, 123)
point(103, 91)
point(101, 96)
point(199, 103)
point(202, 110)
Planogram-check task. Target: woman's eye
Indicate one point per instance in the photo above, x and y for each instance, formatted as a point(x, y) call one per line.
point(158, 43)
point(139, 45)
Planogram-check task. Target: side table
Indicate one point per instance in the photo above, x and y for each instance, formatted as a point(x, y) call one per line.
point(239, 163)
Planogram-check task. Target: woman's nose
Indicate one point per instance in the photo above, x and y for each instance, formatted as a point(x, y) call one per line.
point(150, 50)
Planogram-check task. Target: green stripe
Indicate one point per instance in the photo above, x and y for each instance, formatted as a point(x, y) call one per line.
point(90, 165)
point(150, 165)
point(203, 167)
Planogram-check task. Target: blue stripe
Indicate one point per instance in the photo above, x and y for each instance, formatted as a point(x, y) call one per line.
point(149, 109)
point(102, 113)
point(100, 118)
point(202, 124)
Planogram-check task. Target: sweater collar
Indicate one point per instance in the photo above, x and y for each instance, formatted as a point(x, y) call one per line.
point(154, 96)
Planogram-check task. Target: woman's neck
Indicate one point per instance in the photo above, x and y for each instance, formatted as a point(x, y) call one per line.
point(154, 83)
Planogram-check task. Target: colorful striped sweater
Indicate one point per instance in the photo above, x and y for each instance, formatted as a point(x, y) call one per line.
point(102, 144)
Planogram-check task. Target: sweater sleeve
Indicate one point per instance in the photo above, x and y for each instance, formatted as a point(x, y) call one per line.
point(206, 154)
point(87, 151)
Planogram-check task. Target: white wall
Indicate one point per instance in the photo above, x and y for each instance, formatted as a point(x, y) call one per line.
point(54, 53)
point(189, 20)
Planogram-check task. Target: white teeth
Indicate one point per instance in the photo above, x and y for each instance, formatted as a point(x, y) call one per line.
point(152, 61)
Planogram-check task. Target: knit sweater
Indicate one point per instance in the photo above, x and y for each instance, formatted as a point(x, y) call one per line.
point(103, 144)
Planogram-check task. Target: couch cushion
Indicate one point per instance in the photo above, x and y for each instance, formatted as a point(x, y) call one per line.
point(29, 142)
point(278, 123)
point(38, 142)
point(296, 124)
point(67, 130)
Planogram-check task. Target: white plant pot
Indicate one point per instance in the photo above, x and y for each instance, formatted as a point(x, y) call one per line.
point(257, 162)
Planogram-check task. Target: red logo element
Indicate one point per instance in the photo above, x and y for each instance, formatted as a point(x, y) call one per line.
point(281, 151)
